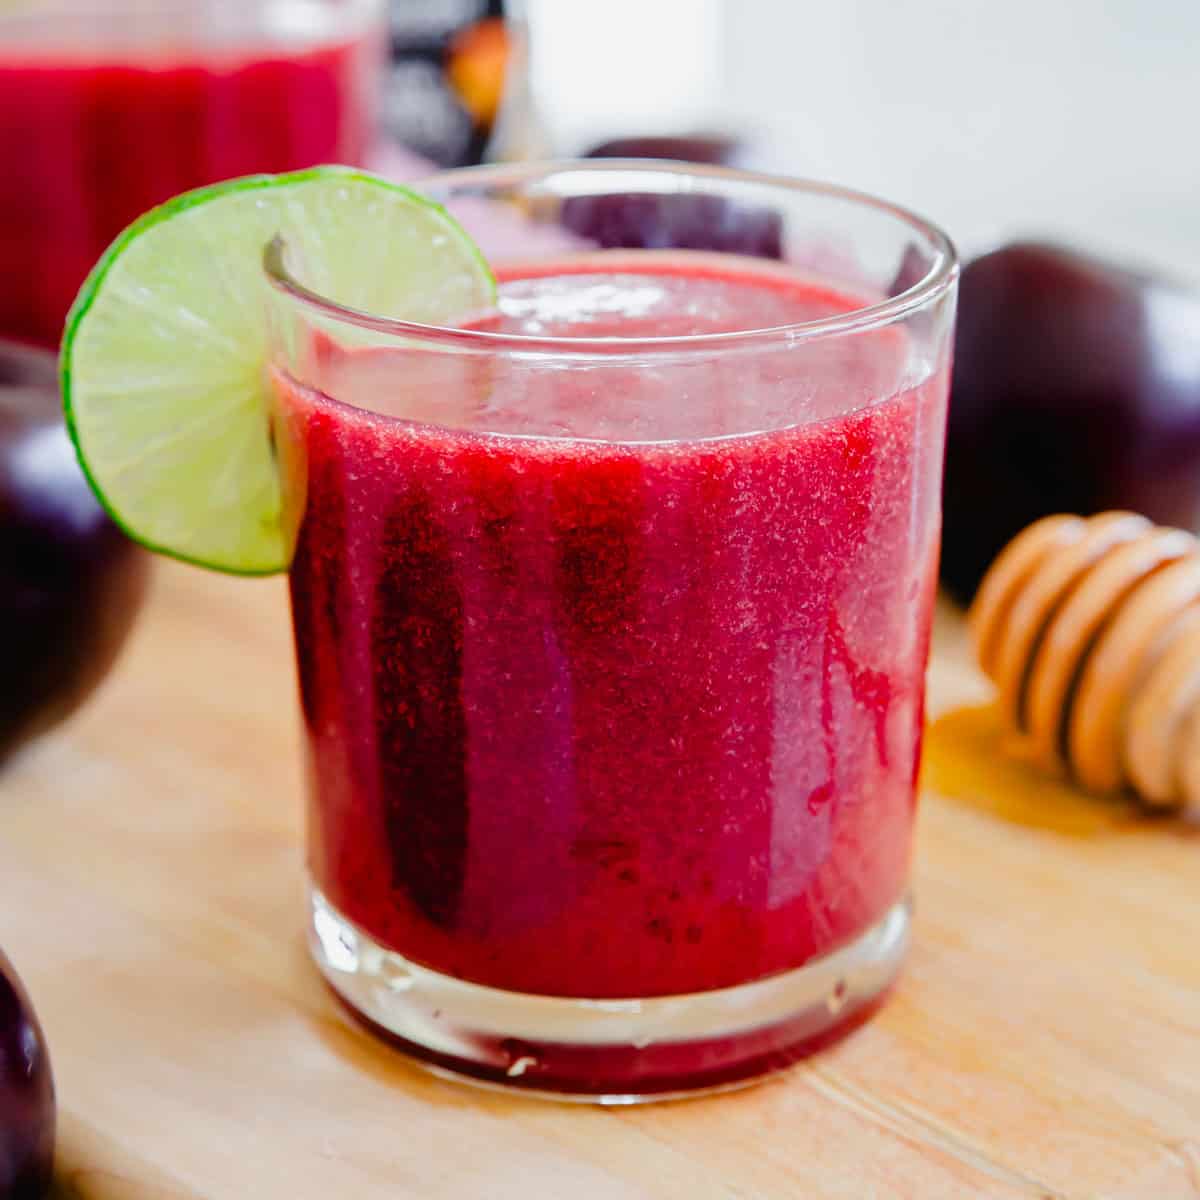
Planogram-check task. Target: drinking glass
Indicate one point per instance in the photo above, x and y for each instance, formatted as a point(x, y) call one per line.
point(612, 648)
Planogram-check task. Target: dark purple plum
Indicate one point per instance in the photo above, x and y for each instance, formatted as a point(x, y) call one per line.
point(1076, 388)
point(715, 149)
point(656, 221)
point(70, 581)
point(26, 1095)
point(645, 221)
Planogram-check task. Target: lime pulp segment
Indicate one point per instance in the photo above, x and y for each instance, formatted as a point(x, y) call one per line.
point(164, 358)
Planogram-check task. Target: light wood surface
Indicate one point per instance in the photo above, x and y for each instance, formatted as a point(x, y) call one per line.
point(1045, 1041)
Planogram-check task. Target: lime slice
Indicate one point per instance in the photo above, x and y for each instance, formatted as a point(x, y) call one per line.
point(163, 363)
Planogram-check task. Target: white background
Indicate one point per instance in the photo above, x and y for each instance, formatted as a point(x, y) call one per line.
point(1078, 119)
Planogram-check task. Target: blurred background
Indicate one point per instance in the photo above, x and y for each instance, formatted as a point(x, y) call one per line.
point(1065, 118)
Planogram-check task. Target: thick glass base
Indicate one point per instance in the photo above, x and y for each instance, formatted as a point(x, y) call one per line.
point(607, 1051)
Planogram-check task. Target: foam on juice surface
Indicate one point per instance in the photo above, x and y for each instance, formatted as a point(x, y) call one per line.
point(633, 304)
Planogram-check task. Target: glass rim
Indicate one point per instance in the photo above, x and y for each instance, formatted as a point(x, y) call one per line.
point(938, 279)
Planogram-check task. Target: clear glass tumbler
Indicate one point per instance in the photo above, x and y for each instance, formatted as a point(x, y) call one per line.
point(612, 613)
point(109, 107)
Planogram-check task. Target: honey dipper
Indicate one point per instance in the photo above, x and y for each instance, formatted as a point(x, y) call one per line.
point(1090, 629)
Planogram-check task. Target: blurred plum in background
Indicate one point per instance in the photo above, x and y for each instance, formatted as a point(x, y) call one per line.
point(715, 149)
point(1076, 388)
point(676, 221)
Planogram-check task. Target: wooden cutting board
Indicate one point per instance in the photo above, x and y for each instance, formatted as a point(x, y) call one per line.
point(1045, 1041)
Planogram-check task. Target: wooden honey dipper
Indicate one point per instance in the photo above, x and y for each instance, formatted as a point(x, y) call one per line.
point(1090, 629)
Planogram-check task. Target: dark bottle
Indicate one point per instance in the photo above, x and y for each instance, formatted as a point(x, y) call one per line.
point(457, 71)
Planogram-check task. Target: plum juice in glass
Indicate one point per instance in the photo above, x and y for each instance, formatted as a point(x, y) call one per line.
point(612, 609)
point(109, 107)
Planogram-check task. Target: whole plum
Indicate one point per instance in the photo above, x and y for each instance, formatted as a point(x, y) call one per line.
point(70, 581)
point(716, 149)
point(675, 220)
point(27, 1114)
point(1076, 388)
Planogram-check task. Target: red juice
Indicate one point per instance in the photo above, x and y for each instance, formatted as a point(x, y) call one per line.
point(601, 699)
point(95, 131)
